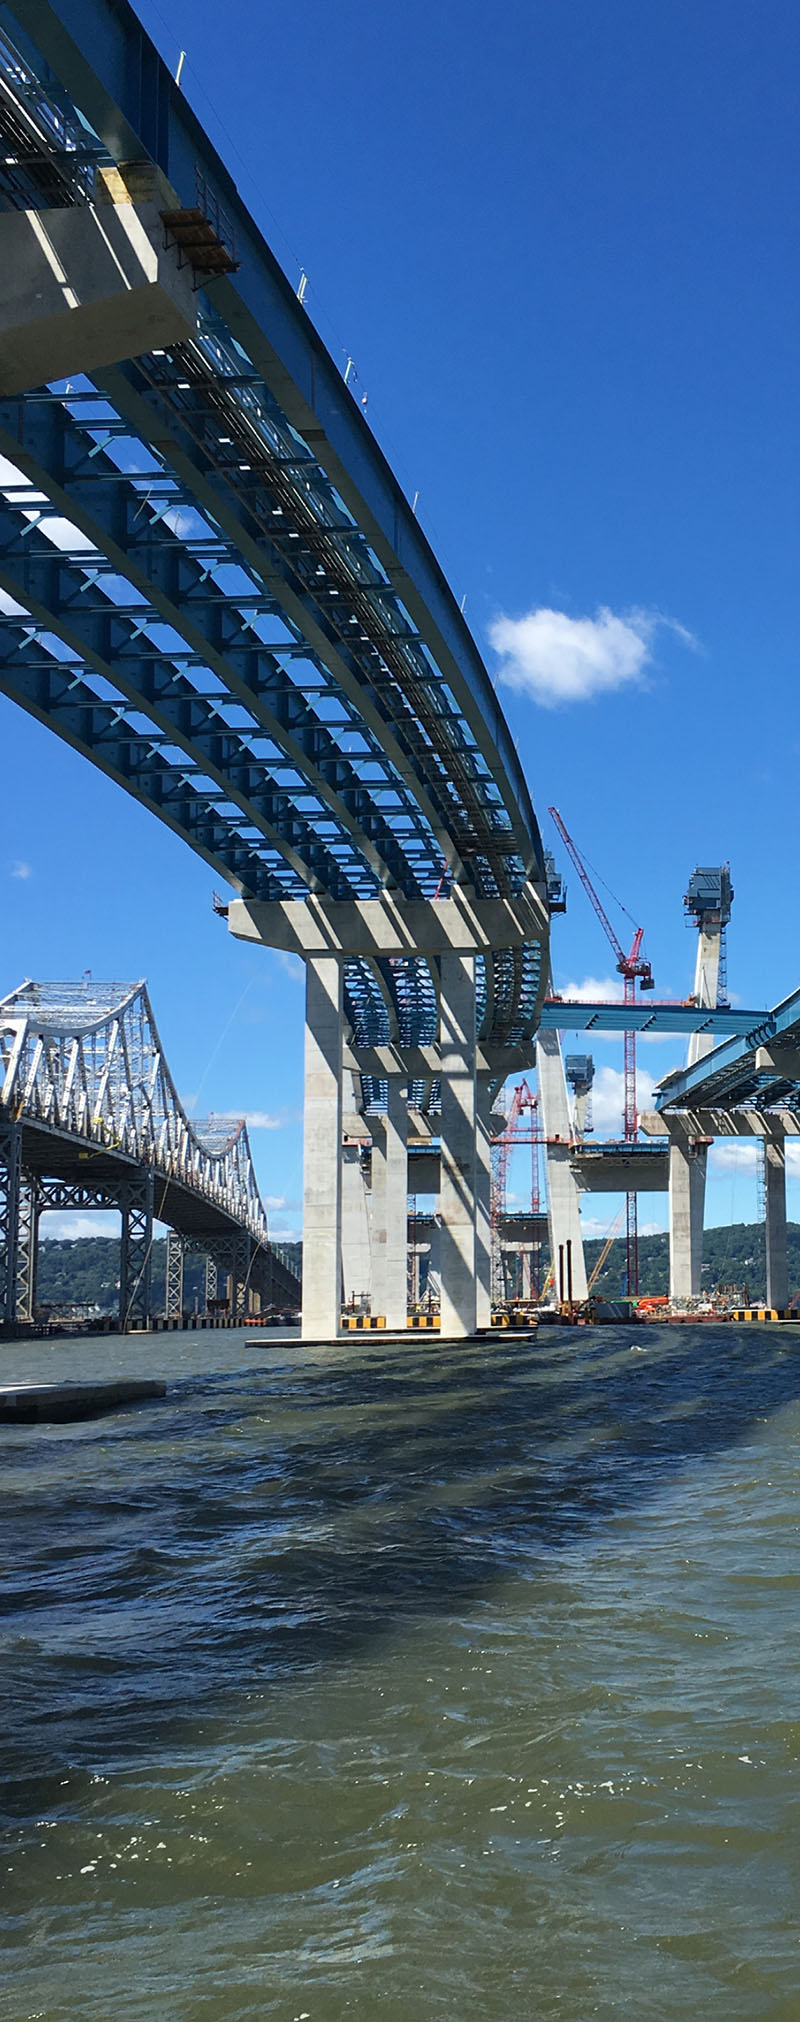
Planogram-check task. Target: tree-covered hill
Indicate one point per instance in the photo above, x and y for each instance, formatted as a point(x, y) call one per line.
point(731, 1256)
point(86, 1271)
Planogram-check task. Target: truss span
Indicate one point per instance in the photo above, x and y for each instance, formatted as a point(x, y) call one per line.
point(83, 1074)
point(215, 588)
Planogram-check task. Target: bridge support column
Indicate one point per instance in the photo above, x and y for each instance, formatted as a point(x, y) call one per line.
point(687, 1194)
point(10, 1189)
point(356, 1248)
point(775, 1190)
point(483, 1203)
point(563, 1202)
point(459, 1299)
point(136, 1251)
point(322, 1166)
point(28, 1247)
point(240, 1275)
point(390, 1209)
point(173, 1284)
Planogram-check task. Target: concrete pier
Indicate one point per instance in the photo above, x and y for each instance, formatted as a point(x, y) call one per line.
point(563, 1203)
point(483, 1202)
point(775, 1190)
point(356, 1240)
point(459, 1299)
point(687, 1192)
point(389, 1209)
point(322, 1149)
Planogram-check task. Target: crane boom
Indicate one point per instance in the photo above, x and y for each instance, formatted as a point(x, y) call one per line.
point(589, 887)
point(632, 967)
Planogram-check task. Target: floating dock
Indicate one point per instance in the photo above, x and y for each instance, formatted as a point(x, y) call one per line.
point(58, 1403)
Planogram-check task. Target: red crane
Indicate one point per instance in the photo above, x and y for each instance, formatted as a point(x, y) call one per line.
point(524, 1104)
point(633, 968)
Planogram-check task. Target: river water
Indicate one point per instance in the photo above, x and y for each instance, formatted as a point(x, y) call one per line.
point(404, 1681)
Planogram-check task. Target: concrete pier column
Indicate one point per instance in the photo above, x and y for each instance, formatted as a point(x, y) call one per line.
point(687, 1194)
point(322, 1167)
point(483, 1202)
point(390, 1208)
point(459, 1299)
point(563, 1200)
point(356, 1241)
point(775, 1190)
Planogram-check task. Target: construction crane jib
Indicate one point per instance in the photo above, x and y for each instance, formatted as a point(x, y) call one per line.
point(633, 968)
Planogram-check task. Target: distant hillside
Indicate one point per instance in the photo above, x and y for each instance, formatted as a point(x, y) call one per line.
point(731, 1256)
point(87, 1271)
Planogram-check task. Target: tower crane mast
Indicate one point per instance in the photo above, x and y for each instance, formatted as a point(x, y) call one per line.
point(633, 968)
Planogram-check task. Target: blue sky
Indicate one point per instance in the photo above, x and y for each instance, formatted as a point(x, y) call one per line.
point(558, 242)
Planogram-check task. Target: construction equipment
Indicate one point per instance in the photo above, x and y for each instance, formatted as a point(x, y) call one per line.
point(522, 1127)
point(607, 1246)
point(633, 968)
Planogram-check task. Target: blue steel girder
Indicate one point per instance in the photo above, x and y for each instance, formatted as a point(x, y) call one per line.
point(103, 59)
point(132, 541)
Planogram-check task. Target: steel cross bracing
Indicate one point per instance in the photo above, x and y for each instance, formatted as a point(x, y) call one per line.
point(84, 1062)
point(200, 611)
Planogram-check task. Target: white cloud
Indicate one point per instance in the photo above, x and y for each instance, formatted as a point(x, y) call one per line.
point(10, 607)
point(556, 659)
point(21, 870)
point(608, 1099)
point(68, 1227)
point(595, 990)
point(292, 964)
point(594, 1227)
point(260, 1119)
point(734, 1154)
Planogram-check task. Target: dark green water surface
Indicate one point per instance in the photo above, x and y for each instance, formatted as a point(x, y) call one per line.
point(406, 1681)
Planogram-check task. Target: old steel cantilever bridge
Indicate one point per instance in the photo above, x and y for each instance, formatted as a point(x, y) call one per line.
point(90, 1118)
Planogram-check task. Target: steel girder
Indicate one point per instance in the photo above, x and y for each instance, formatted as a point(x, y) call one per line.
point(134, 113)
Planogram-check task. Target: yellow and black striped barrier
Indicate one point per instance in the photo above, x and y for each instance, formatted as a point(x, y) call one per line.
point(423, 1320)
point(519, 1321)
point(764, 1313)
point(352, 1321)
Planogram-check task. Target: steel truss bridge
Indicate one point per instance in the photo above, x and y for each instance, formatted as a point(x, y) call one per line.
point(220, 595)
point(90, 1118)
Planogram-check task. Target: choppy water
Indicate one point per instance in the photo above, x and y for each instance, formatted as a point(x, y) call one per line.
point(405, 1682)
